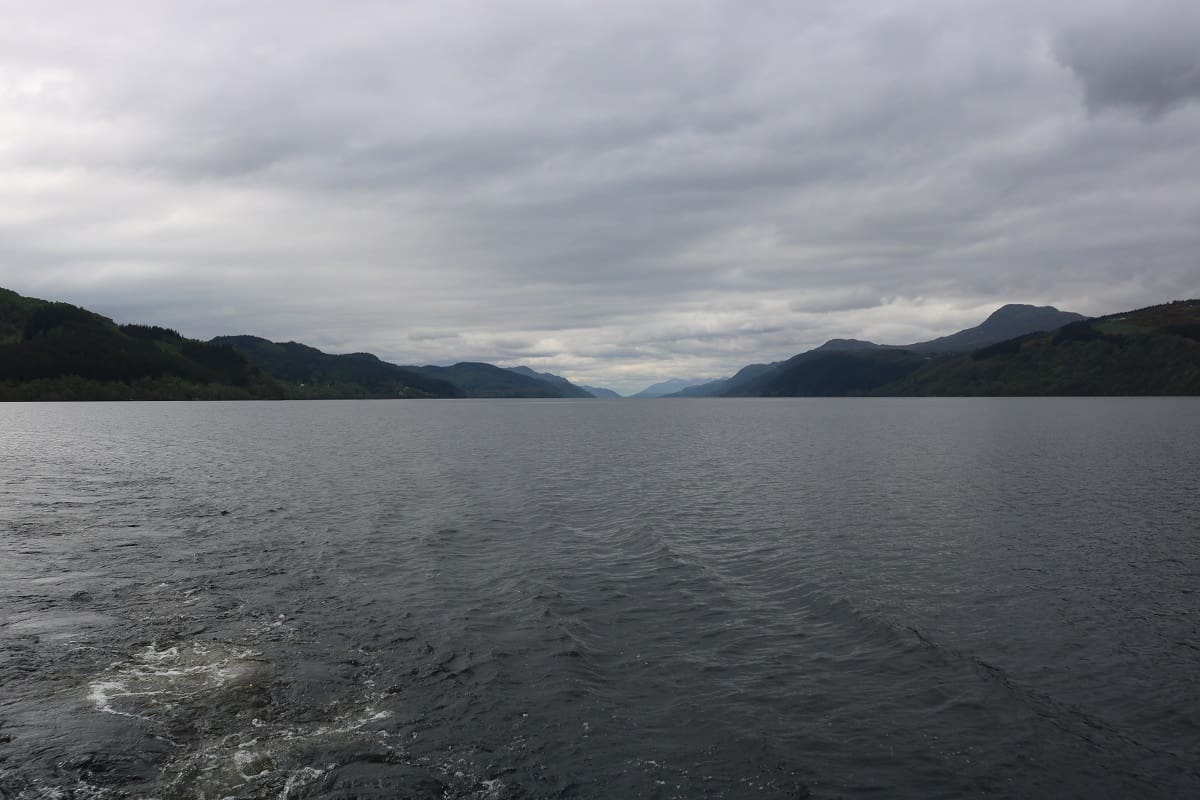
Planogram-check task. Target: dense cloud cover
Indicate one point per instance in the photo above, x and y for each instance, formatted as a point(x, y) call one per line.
point(618, 191)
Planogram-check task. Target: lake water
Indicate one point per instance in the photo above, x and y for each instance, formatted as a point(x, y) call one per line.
point(900, 598)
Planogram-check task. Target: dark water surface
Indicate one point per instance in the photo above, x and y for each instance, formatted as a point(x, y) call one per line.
point(601, 599)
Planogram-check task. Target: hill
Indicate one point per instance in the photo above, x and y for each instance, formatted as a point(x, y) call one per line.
point(1006, 322)
point(601, 392)
point(476, 379)
point(848, 345)
point(668, 387)
point(1150, 351)
point(831, 373)
point(57, 351)
point(719, 387)
point(567, 388)
point(311, 373)
point(853, 366)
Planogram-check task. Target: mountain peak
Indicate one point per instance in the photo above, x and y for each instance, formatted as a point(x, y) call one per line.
point(847, 344)
point(1013, 312)
point(1006, 322)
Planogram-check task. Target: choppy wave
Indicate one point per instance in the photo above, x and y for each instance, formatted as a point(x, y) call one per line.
point(484, 601)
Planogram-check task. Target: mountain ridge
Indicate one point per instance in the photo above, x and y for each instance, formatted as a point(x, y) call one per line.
point(480, 379)
point(601, 392)
point(814, 371)
point(1153, 350)
point(57, 351)
point(1008, 321)
point(312, 371)
point(568, 389)
point(667, 387)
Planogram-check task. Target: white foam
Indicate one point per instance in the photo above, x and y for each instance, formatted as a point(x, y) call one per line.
point(352, 724)
point(493, 788)
point(101, 694)
point(153, 656)
point(80, 791)
point(157, 679)
point(302, 777)
point(263, 758)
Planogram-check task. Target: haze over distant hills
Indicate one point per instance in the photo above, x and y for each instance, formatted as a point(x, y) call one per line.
point(567, 388)
point(601, 392)
point(365, 375)
point(477, 379)
point(57, 351)
point(670, 386)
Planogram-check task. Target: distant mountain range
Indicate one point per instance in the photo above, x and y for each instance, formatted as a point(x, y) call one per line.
point(564, 386)
point(57, 351)
point(1018, 350)
point(365, 375)
point(599, 391)
point(853, 366)
point(307, 369)
point(668, 387)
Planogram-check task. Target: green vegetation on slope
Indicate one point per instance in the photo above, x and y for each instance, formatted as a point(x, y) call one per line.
point(1150, 351)
point(57, 351)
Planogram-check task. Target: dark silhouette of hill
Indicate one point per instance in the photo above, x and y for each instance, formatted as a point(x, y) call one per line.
point(1149, 351)
point(310, 372)
point(830, 373)
point(57, 351)
point(601, 392)
point(567, 388)
point(1006, 322)
point(853, 366)
point(719, 387)
point(477, 379)
point(848, 345)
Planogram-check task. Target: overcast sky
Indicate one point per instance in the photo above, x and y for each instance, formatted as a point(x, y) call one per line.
point(620, 191)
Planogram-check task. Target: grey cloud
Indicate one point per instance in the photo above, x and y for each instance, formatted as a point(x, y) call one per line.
point(1142, 56)
point(665, 187)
